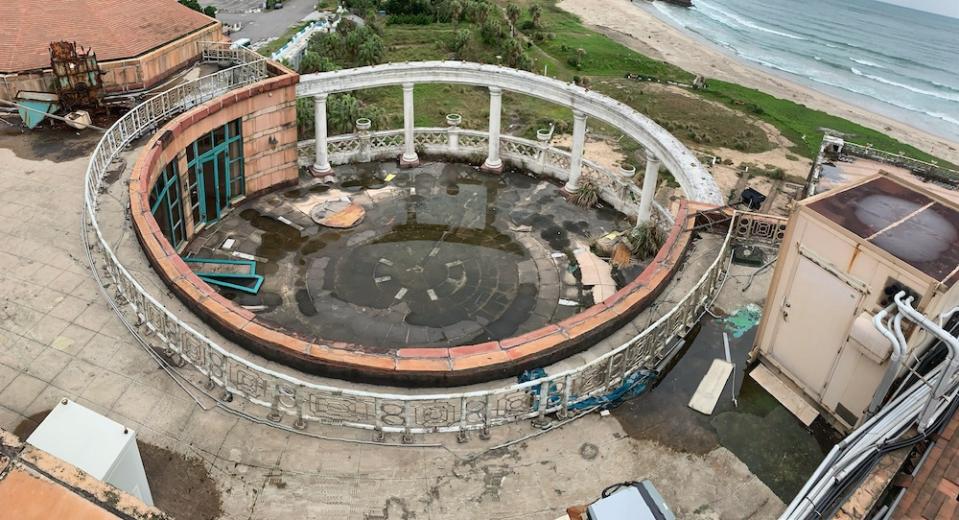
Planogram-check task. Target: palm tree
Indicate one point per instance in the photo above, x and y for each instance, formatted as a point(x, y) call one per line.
point(456, 10)
point(371, 50)
point(513, 52)
point(512, 14)
point(536, 13)
point(342, 110)
point(459, 43)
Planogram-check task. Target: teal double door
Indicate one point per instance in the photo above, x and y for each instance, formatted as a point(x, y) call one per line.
point(215, 165)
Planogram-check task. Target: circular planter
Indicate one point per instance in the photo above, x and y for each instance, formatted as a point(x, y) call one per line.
point(454, 119)
point(627, 170)
point(544, 134)
point(363, 124)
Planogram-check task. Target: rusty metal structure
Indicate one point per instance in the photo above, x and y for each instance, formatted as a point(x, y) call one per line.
point(78, 78)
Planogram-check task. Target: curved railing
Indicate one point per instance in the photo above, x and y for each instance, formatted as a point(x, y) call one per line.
point(279, 394)
point(696, 181)
point(616, 188)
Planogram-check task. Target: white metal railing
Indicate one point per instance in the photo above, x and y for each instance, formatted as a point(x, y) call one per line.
point(279, 394)
point(616, 189)
point(868, 152)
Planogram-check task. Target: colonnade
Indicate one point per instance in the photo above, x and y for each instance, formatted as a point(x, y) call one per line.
point(493, 162)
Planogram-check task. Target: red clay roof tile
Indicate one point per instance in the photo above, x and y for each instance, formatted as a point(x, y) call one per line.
point(114, 29)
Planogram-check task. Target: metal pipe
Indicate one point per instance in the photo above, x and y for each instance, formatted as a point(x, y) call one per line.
point(895, 359)
point(951, 362)
point(944, 317)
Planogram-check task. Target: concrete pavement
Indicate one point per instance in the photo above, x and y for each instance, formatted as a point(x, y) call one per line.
point(59, 339)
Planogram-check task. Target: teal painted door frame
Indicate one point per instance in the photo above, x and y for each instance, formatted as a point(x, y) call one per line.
point(214, 172)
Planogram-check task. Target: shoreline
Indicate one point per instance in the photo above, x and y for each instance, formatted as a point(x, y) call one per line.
point(624, 20)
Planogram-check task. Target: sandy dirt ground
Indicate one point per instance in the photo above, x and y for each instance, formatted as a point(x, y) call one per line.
point(600, 151)
point(638, 29)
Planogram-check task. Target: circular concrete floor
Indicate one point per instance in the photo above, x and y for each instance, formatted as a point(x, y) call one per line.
point(445, 256)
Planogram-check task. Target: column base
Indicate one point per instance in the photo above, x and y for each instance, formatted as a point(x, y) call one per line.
point(567, 194)
point(409, 162)
point(495, 168)
point(322, 172)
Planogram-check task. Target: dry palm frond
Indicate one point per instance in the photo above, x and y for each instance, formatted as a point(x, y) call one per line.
point(588, 193)
point(645, 240)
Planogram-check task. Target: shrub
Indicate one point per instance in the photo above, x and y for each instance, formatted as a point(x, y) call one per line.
point(646, 239)
point(588, 193)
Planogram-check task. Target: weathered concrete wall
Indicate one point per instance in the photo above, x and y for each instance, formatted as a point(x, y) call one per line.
point(157, 65)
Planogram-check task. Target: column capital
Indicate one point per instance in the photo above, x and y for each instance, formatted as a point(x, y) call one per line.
point(320, 97)
point(651, 156)
point(408, 87)
point(495, 91)
point(580, 115)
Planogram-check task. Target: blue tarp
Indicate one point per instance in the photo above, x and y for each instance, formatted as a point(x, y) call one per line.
point(33, 112)
point(634, 385)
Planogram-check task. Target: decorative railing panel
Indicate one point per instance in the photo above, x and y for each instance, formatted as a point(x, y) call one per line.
point(759, 228)
point(618, 190)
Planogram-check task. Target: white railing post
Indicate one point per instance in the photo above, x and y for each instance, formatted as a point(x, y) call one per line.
point(649, 188)
point(453, 132)
point(543, 136)
point(576, 153)
point(409, 158)
point(363, 126)
point(493, 162)
point(321, 167)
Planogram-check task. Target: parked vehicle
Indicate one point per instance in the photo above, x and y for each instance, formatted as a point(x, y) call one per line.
point(240, 42)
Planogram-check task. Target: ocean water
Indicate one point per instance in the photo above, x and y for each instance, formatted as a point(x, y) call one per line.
point(895, 61)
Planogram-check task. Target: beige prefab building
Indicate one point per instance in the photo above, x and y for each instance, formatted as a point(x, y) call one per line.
point(844, 251)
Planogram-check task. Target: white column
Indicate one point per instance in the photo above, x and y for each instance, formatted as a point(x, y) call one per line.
point(493, 161)
point(649, 188)
point(576, 152)
point(322, 163)
point(409, 157)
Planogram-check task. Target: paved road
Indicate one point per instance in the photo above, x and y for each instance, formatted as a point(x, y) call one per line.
point(262, 25)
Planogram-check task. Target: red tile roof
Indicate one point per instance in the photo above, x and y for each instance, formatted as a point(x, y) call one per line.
point(114, 29)
point(934, 494)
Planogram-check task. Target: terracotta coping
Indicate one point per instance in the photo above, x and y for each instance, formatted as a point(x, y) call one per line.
point(458, 365)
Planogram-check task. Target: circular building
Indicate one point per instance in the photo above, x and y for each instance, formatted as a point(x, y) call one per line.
point(413, 257)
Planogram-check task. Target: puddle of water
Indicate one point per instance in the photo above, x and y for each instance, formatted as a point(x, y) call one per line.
point(773, 443)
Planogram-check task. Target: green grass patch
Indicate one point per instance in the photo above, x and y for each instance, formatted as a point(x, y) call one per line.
point(802, 125)
point(712, 125)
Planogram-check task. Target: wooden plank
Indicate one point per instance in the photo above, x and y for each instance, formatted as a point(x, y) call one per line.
point(711, 387)
point(793, 402)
